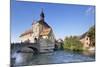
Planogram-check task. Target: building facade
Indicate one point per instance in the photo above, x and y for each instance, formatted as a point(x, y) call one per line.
point(41, 33)
point(85, 40)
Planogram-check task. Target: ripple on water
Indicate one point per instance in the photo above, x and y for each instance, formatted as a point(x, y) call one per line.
point(51, 58)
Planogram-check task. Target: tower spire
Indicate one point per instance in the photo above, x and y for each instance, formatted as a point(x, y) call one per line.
point(42, 15)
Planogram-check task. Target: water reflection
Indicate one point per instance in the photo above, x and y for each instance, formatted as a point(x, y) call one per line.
point(90, 53)
point(51, 58)
point(23, 56)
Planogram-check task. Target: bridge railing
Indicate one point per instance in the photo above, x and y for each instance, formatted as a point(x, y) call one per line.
point(21, 45)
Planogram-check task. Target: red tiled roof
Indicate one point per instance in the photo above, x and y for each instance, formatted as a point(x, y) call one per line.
point(27, 32)
point(43, 23)
point(45, 32)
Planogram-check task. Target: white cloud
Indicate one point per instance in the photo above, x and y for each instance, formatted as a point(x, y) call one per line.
point(90, 10)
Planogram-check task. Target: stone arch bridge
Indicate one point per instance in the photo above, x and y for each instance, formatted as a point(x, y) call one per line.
point(22, 47)
point(36, 47)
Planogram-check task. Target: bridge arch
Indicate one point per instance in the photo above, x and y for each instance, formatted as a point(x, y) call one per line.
point(36, 51)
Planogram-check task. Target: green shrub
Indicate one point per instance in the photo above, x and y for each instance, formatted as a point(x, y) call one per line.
point(73, 43)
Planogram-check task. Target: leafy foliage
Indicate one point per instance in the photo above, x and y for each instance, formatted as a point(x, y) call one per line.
point(91, 34)
point(73, 43)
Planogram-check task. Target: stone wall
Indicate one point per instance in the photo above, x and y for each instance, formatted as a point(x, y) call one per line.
point(46, 45)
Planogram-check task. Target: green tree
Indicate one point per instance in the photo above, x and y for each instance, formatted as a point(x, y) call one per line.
point(91, 35)
point(73, 43)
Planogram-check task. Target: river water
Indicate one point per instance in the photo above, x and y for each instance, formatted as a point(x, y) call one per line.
point(56, 57)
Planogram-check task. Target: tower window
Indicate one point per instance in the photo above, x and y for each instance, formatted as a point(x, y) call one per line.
point(86, 38)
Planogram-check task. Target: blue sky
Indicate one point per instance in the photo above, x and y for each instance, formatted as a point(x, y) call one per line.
point(65, 19)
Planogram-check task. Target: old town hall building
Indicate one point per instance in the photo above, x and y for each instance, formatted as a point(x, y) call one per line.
point(40, 32)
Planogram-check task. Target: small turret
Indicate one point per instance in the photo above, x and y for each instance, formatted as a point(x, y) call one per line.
point(42, 15)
